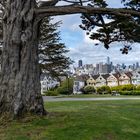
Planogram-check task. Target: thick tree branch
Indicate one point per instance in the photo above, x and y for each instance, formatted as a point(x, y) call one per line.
point(65, 10)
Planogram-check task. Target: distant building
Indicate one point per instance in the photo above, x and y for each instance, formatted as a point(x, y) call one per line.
point(80, 63)
point(106, 68)
point(108, 61)
point(47, 82)
point(137, 65)
point(101, 67)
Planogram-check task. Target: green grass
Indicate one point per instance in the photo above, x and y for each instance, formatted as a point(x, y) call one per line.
point(79, 120)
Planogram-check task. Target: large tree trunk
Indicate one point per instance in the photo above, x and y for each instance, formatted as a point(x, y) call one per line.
point(20, 90)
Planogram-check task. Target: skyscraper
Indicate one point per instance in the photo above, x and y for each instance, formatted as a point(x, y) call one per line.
point(80, 63)
point(108, 60)
point(137, 65)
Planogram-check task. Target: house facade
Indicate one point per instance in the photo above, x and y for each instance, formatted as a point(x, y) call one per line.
point(47, 83)
point(125, 78)
point(113, 79)
point(101, 80)
point(91, 81)
point(136, 78)
point(79, 83)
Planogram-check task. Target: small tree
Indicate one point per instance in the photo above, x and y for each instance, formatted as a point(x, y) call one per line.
point(66, 87)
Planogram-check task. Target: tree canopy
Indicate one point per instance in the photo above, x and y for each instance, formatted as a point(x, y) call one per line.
point(123, 23)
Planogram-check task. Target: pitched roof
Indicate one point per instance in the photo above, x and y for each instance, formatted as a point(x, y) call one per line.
point(129, 74)
point(95, 76)
point(105, 76)
point(81, 78)
point(116, 75)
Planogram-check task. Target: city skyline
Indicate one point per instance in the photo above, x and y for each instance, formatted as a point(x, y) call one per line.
point(106, 61)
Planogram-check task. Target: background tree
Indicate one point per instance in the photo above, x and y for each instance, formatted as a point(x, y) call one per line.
point(52, 53)
point(20, 76)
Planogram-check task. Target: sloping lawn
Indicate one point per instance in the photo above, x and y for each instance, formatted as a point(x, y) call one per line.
point(79, 120)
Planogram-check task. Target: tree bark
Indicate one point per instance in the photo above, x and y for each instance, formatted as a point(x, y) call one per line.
point(20, 90)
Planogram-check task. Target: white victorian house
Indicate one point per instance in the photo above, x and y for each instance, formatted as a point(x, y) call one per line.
point(47, 82)
point(101, 80)
point(79, 83)
point(113, 79)
point(136, 78)
point(125, 78)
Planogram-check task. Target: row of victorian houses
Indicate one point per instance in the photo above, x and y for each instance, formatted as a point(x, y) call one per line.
point(112, 79)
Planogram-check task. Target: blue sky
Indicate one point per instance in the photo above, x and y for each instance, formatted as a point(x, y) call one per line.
point(81, 47)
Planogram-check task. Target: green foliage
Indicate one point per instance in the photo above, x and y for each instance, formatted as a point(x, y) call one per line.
point(128, 87)
point(104, 90)
point(138, 87)
point(66, 87)
point(51, 93)
point(120, 28)
point(129, 92)
point(116, 88)
point(89, 90)
point(52, 53)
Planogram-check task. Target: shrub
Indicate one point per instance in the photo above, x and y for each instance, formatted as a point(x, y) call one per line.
point(89, 90)
point(116, 88)
point(138, 88)
point(51, 93)
point(104, 90)
point(66, 87)
point(62, 90)
point(129, 92)
point(128, 87)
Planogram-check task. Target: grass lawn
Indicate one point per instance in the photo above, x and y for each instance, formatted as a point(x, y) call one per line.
point(79, 120)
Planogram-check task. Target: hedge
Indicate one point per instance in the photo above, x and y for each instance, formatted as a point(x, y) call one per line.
point(129, 92)
point(128, 87)
point(50, 93)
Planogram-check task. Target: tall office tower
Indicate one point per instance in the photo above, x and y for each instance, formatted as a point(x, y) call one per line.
point(123, 66)
point(108, 60)
point(105, 68)
point(100, 67)
point(80, 63)
point(97, 69)
point(137, 65)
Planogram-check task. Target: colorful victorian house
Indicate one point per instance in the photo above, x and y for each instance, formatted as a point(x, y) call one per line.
point(101, 80)
point(113, 79)
point(91, 81)
point(125, 78)
point(136, 78)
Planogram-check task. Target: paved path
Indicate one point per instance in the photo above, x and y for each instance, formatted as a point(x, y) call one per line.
point(50, 98)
